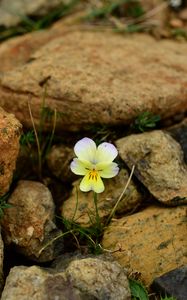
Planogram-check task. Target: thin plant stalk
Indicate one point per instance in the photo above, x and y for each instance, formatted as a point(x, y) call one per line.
point(37, 142)
point(121, 196)
point(52, 132)
point(98, 222)
point(54, 239)
point(76, 206)
point(41, 112)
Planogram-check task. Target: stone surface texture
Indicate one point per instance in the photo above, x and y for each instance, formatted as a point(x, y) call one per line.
point(58, 161)
point(173, 284)
point(102, 279)
point(1, 263)
point(13, 12)
point(29, 222)
point(84, 279)
point(151, 242)
point(80, 206)
point(179, 132)
point(159, 164)
point(150, 76)
point(10, 132)
point(24, 46)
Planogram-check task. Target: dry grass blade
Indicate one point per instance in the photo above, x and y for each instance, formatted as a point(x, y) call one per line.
point(121, 196)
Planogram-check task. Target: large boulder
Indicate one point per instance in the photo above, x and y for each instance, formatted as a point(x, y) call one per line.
point(110, 80)
point(151, 242)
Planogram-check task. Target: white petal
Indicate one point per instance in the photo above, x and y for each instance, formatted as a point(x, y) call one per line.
point(106, 152)
point(85, 149)
point(80, 167)
point(108, 171)
point(87, 184)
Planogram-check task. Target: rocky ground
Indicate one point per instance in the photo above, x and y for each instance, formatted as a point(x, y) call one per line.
point(78, 78)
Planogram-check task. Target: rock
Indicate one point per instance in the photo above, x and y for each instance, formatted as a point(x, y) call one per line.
point(164, 173)
point(58, 161)
point(14, 12)
point(183, 14)
point(83, 279)
point(1, 263)
point(29, 225)
point(27, 283)
point(176, 23)
point(99, 278)
point(24, 46)
point(95, 275)
point(173, 283)
point(179, 132)
point(10, 131)
point(80, 206)
point(115, 95)
point(151, 242)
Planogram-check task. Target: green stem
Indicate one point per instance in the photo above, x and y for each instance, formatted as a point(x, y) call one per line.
point(98, 223)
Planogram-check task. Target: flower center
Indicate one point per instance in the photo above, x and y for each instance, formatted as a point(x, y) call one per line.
point(93, 174)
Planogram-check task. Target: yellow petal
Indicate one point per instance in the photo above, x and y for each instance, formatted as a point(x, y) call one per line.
point(93, 183)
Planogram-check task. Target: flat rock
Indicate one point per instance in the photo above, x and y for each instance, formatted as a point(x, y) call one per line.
point(151, 242)
point(83, 279)
point(159, 164)
point(173, 283)
point(29, 223)
point(13, 12)
point(102, 83)
point(80, 206)
point(10, 132)
point(25, 45)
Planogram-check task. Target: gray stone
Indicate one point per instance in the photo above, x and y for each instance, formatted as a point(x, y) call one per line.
point(159, 164)
point(29, 223)
point(173, 283)
point(81, 279)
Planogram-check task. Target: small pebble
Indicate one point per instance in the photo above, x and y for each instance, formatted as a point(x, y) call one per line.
point(176, 23)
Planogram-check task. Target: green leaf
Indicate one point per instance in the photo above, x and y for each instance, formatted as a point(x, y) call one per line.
point(138, 291)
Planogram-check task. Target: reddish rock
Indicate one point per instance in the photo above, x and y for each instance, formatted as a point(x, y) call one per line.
point(28, 223)
point(10, 131)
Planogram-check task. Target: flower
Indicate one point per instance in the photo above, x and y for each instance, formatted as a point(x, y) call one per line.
point(94, 163)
